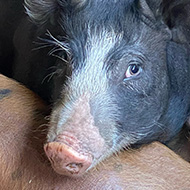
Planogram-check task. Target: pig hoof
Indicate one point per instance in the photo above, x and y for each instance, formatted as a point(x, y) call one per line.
point(67, 161)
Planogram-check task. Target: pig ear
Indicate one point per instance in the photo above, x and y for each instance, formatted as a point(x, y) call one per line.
point(177, 17)
point(40, 11)
point(150, 8)
point(188, 122)
point(153, 10)
point(77, 2)
point(174, 14)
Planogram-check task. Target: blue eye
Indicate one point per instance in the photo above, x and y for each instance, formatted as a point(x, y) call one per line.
point(133, 70)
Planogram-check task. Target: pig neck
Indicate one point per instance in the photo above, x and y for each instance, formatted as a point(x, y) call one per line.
point(179, 101)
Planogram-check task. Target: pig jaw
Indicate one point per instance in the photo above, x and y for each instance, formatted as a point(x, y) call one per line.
point(76, 144)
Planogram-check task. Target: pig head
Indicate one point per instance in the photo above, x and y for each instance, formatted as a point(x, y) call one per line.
point(128, 81)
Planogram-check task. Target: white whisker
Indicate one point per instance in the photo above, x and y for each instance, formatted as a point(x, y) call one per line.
point(59, 57)
point(55, 41)
point(41, 47)
point(50, 77)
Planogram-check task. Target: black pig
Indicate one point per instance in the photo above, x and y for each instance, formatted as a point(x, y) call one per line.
point(123, 75)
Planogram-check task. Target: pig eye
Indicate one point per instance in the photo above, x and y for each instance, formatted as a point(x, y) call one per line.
point(133, 70)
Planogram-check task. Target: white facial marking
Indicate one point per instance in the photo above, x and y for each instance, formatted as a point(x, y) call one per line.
point(89, 80)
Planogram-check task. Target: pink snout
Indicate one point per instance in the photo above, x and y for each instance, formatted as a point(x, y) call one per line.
point(66, 156)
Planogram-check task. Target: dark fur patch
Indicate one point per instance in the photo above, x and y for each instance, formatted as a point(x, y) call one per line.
point(4, 93)
point(17, 174)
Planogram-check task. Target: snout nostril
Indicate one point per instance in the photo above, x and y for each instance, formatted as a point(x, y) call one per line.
point(74, 167)
point(67, 161)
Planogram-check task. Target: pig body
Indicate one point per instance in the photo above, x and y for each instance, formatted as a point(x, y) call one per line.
point(122, 75)
point(24, 165)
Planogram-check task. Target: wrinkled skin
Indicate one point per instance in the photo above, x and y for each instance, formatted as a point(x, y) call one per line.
point(101, 104)
point(24, 165)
